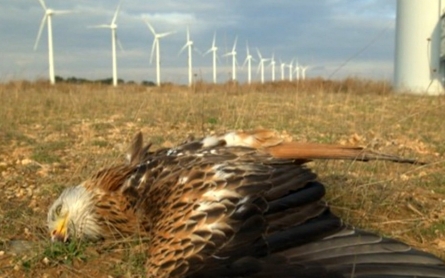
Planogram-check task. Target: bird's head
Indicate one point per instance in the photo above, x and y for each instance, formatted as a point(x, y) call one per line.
point(73, 216)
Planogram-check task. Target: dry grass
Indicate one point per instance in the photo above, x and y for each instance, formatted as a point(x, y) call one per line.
point(52, 137)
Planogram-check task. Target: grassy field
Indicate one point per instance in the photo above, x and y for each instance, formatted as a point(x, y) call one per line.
point(53, 137)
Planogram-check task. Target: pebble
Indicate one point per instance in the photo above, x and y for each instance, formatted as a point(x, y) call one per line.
point(26, 161)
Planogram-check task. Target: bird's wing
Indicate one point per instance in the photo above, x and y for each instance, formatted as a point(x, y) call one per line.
point(226, 211)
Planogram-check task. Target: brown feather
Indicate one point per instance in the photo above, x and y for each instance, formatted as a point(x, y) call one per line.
point(237, 205)
point(311, 151)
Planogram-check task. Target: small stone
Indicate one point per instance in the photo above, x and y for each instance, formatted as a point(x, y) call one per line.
point(2, 253)
point(26, 161)
point(45, 261)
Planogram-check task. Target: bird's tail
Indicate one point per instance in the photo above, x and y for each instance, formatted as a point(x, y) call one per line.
point(273, 143)
point(310, 151)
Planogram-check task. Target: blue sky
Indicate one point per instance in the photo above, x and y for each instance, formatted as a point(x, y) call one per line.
point(322, 34)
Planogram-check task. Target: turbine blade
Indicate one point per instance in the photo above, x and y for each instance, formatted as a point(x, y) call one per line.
point(115, 14)
point(207, 52)
point(63, 12)
point(197, 50)
point(183, 48)
point(259, 53)
point(100, 26)
point(234, 44)
point(150, 27)
point(153, 50)
point(245, 61)
point(214, 40)
point(188, 34)
point(165, 34)
point(42, 24)
point(42, 3)
point(259, 66)
point(119, 43)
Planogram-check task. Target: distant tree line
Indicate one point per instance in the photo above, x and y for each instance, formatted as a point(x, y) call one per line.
point(107, 81)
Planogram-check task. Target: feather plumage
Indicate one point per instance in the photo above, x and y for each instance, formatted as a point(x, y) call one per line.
point(243, 204)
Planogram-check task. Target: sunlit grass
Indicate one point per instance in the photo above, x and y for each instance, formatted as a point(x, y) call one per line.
point(55, 136)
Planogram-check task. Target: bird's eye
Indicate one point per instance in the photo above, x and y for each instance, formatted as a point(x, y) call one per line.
point(58, 210)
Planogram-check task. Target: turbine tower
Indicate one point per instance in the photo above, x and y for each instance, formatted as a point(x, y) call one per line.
point(282, 66)
point(213, 49)
point(297, 71)
point(272, 65)
point(290, 66)
point(156, 47)
point(261, 65)
point(248, 61)
point(47, 17)
point(113, 27)
point(419, 65)
point(233, 54)
point(189, 44)
point(303, 72)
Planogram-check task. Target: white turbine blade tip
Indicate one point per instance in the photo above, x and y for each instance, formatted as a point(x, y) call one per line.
point(162, 35)
point(100, 26)
point(150, 27)
point(115, 14)
point(63, 12)
point(42, 3)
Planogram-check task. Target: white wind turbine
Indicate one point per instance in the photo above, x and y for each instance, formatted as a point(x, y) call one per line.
point(303, 72)
point(213, 49)
point(48, 18)
point(233, 54)
point(297, 71)
point(248, 61)
point(189, 44)
point(113, 27)
point(291, 73)
point(157, 47)
point(261, 64)
point(282, 65)
point(272, 65)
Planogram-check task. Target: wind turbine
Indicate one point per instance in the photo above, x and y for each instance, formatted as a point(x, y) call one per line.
point(157, 46)
point(290, 66)
point(272, 64)
point(261, 64)
point(113, 27)
point(282, 65)
point(249, 59)
point(297, 71)
point(303, 72)
point(189, 44)
point(233, 54)
point(213, 49)
point(48, 18)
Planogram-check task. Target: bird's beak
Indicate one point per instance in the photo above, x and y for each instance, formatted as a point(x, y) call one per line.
point(61, 231)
